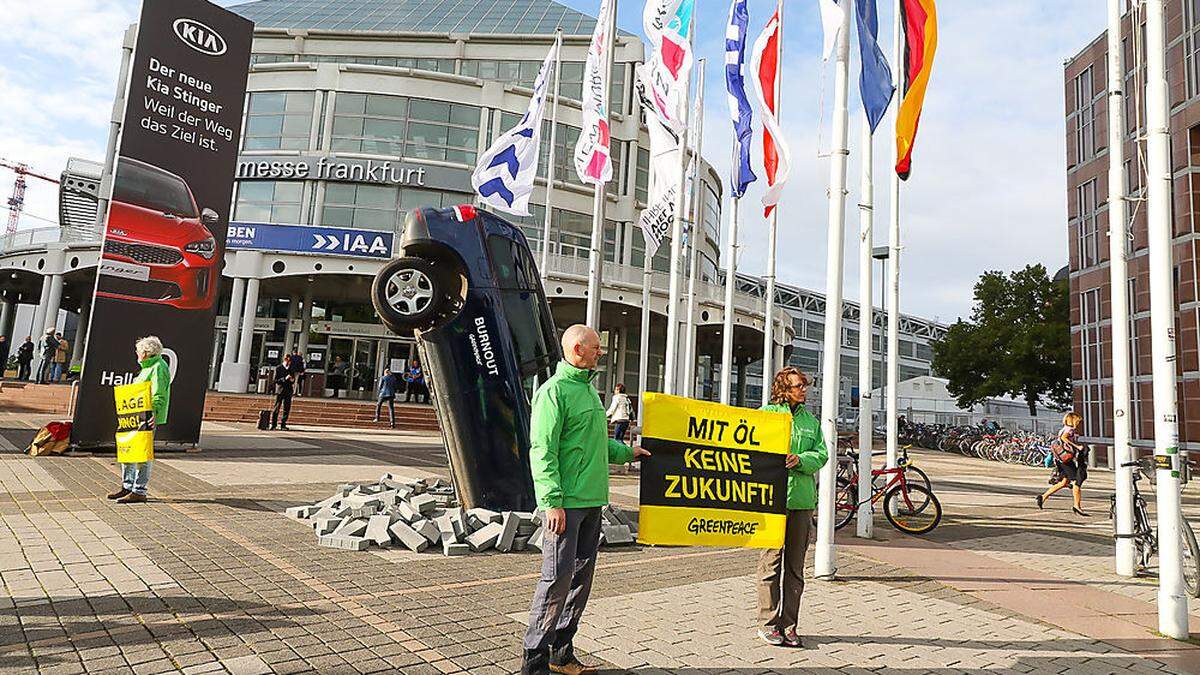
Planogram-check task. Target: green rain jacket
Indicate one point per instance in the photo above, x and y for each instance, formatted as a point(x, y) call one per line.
point(158, 374)
point(569, 445)
point(809, 444)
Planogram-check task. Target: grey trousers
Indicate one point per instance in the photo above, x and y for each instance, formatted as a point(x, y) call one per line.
point(781, 575)
point(568, 563)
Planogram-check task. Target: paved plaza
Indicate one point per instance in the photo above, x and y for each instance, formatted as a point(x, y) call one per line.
point(211, 577)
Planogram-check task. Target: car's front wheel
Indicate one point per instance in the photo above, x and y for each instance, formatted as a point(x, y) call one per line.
point(408, 294)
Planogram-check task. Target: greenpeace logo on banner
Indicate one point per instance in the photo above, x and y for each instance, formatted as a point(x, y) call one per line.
point(199, 37)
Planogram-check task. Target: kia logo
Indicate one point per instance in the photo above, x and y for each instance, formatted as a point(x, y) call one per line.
point(199, 37)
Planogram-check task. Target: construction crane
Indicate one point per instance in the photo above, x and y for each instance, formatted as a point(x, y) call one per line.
point(17, 201)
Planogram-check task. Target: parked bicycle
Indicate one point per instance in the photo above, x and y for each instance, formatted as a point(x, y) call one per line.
point(1145, 537)
point(908, 500)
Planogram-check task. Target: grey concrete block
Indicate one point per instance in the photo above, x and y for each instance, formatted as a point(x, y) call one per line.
point(341, 512)
point(348, 543)
point(486, 515)
point(365, 511)
point(616, 516)
point(616, 534)
point(409, 537)
point(446, 531)
point(324, 526)
point(301, 512)
point(423, 503)
point(429, 530)
point(535, 541)
point(520, 543)
point(455, 549)
point(460, 525)
point(508, 531)
point(407, 512)
point(377, 530)
point(485, 538)
point(329, 501)
point(351, 527)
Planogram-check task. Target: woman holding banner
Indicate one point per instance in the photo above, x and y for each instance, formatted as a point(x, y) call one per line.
point(136, 474)
point(781, 571)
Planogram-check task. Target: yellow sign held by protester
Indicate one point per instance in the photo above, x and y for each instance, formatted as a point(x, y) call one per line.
point(715, 475)
point(135, 431)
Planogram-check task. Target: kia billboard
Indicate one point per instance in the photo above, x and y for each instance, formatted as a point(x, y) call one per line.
point(164, 234)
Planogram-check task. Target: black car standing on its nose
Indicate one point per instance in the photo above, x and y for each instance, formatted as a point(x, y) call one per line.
point(465, 284)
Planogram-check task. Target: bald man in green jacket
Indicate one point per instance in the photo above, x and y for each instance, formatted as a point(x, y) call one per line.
point(569, 455)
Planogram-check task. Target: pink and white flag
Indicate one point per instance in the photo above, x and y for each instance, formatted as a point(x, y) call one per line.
point(593, 161)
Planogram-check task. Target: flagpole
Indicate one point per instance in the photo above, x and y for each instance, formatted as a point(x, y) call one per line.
point(558, 33)
point(1119, 284)
point(689, 337)
point(825, 560)
point(893, 268)
point(730, 281)
point(769, 311)
point(1172, 601)
point(866, 224)
point(671, 373)
point(596, 254)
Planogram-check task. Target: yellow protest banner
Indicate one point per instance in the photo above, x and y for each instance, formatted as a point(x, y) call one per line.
point(716, 474)
point(135, 437)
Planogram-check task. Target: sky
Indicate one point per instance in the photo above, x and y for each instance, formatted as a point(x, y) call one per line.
point(987, 190)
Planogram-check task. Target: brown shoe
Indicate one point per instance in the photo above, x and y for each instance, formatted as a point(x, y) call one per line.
point(572, 668)
point(132, 498)
point(118, 494)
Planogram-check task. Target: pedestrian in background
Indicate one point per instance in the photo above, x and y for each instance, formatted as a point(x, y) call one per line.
point(297, 368)
point(4, 346)
point(569, 456)
point(24, 358)
point(59, 368)
point(620, 411)
point(387, 394)
point(285, 387)
point(1070, 462)
point(781, 571)
point(154, 369)
point(337, 375)
point(48, 345)
point(414, 379)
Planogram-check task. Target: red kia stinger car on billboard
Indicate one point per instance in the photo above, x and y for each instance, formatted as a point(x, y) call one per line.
point(158, 247)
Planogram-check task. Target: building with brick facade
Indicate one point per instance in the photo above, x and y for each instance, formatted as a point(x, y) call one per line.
point(1085, 80)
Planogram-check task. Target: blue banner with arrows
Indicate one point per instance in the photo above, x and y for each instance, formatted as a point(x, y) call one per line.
point(309, 239)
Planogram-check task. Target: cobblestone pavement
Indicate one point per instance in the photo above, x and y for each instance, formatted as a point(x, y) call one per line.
point(210, 577)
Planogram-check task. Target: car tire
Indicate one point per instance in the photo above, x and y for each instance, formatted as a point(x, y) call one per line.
point(409, 294)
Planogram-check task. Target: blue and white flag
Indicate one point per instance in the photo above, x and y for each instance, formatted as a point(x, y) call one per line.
point(875, 80)
point(504, 175)
point(739, 105)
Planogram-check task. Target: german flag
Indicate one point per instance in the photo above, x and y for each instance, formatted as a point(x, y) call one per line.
point(919, 20)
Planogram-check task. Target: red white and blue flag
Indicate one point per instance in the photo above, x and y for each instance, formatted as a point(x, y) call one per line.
point(764, 65)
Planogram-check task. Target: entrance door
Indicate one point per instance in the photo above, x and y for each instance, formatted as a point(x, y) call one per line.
point(362, 371)
point(343, 348)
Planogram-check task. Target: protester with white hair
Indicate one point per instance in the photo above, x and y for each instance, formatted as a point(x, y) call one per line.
point(136, 476)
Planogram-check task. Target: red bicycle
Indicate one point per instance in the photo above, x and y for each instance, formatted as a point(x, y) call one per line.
point(908, 505)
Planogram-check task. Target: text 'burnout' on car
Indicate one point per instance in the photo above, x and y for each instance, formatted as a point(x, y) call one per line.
point(157, 246)
point(466, 285)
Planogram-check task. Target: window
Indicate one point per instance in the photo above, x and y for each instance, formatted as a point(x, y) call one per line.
point(1088, 241)
point(402, 127)
point(270, 58)
point(523, 73)
point(372, 207)
point(152, 188)
point(1085, 117)
point(1089, 335)
point(712, 212)
point(1191, 46)
point(265, 201)
point(379, 207)
point(434, 65)
point(814, 330)
point(279, 120)
point(924, 352)
point(641, 183)
point(517, 280)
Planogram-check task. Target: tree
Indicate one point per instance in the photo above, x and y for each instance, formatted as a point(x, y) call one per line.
point(1017, 342)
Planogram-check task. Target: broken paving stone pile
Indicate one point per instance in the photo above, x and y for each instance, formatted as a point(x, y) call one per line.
point(422, 514)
